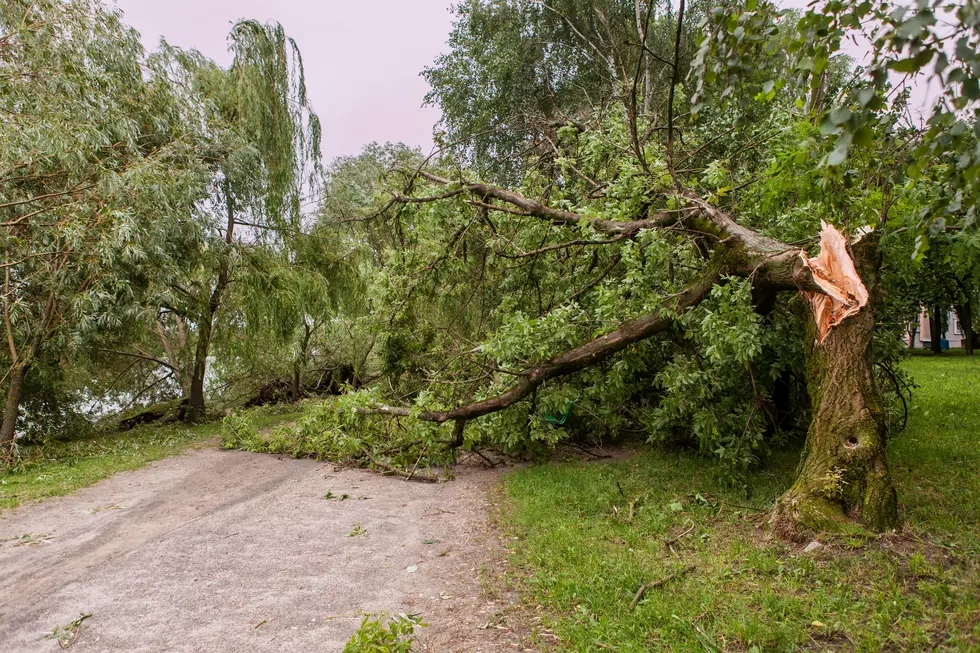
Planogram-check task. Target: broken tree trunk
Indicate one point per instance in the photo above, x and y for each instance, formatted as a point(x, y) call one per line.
point(843, 481)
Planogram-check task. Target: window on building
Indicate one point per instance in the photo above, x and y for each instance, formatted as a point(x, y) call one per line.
point(954, 324)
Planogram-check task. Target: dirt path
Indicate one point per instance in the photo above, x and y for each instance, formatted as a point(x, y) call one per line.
point(230, 551)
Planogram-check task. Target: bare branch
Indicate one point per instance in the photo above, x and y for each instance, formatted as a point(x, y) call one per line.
point(536, 209)
point(143, 356)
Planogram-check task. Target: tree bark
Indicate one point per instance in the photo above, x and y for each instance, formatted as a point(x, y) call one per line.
point(195, 401)
point(205, 328)
point(297, 385)
point(936, 330)
point(11, 408)
point(843, 481)
point(299, 363)
point(964, 313)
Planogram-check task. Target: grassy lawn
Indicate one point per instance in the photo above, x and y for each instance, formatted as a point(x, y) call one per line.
point(58, 468)
point(588, 536)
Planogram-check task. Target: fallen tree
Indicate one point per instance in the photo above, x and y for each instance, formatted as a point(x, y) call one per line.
point(654, 260)
point(844, 476)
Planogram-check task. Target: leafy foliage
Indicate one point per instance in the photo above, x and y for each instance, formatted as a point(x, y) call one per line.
point(375, 636)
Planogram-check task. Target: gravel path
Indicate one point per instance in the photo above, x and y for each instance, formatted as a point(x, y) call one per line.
point(231, 551)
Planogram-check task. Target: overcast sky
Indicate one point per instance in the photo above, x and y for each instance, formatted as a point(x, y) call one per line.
point(362, 59)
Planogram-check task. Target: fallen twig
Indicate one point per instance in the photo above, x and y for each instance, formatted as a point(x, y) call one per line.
point(425, 478)
point(674, 539)
point(66, 635)
point(591, 453)
point(488, 461)
point(735, 505)
point(415, 469)
point(660, 583)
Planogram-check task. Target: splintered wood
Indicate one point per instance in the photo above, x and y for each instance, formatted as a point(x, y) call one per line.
point(833, 270)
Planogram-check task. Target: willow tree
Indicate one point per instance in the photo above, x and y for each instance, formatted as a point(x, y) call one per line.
point(264, 157)
point(93, 154)
point(708, 271)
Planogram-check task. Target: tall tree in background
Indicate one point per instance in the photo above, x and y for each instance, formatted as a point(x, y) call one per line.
point(520, 69)
point(265, 161)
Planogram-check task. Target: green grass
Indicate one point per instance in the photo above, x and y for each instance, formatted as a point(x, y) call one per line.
point(61, 467)
point(580, 558)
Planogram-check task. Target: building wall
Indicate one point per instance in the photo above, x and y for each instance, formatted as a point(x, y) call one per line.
point(923, 336)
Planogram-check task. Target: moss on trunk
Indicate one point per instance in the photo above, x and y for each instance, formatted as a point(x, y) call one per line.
point(843, 482)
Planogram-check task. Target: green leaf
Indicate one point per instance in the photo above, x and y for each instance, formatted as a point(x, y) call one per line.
point(863, 137)
point(837, 157)
point(840, 116)
point(904, 65)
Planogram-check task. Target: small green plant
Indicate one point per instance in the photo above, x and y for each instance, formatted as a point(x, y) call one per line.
point(29, 539)
point(376, 636)
point(67, 634)
point(357, 531)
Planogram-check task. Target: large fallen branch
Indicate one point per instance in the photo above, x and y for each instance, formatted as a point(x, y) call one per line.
point(532, 208)
point(570, 361)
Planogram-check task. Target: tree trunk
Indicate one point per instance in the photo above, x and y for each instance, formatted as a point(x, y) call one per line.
point(205, 328)
point(195, 401)
point(843, 481)
point(936, 330)
point(297, 381)
point(964, 313)
point(299, 363)
point(11, 409)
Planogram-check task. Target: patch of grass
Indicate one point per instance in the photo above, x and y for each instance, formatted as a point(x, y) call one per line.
point(936, 461)
point(588, 537)
point(61, 467)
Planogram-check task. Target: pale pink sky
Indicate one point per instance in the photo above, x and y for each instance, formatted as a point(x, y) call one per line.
point(362, 59)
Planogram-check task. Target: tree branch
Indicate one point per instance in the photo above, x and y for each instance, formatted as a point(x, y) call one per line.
point(551, 248)
point(570, 361)
point(146, 357)
point(536, 209)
